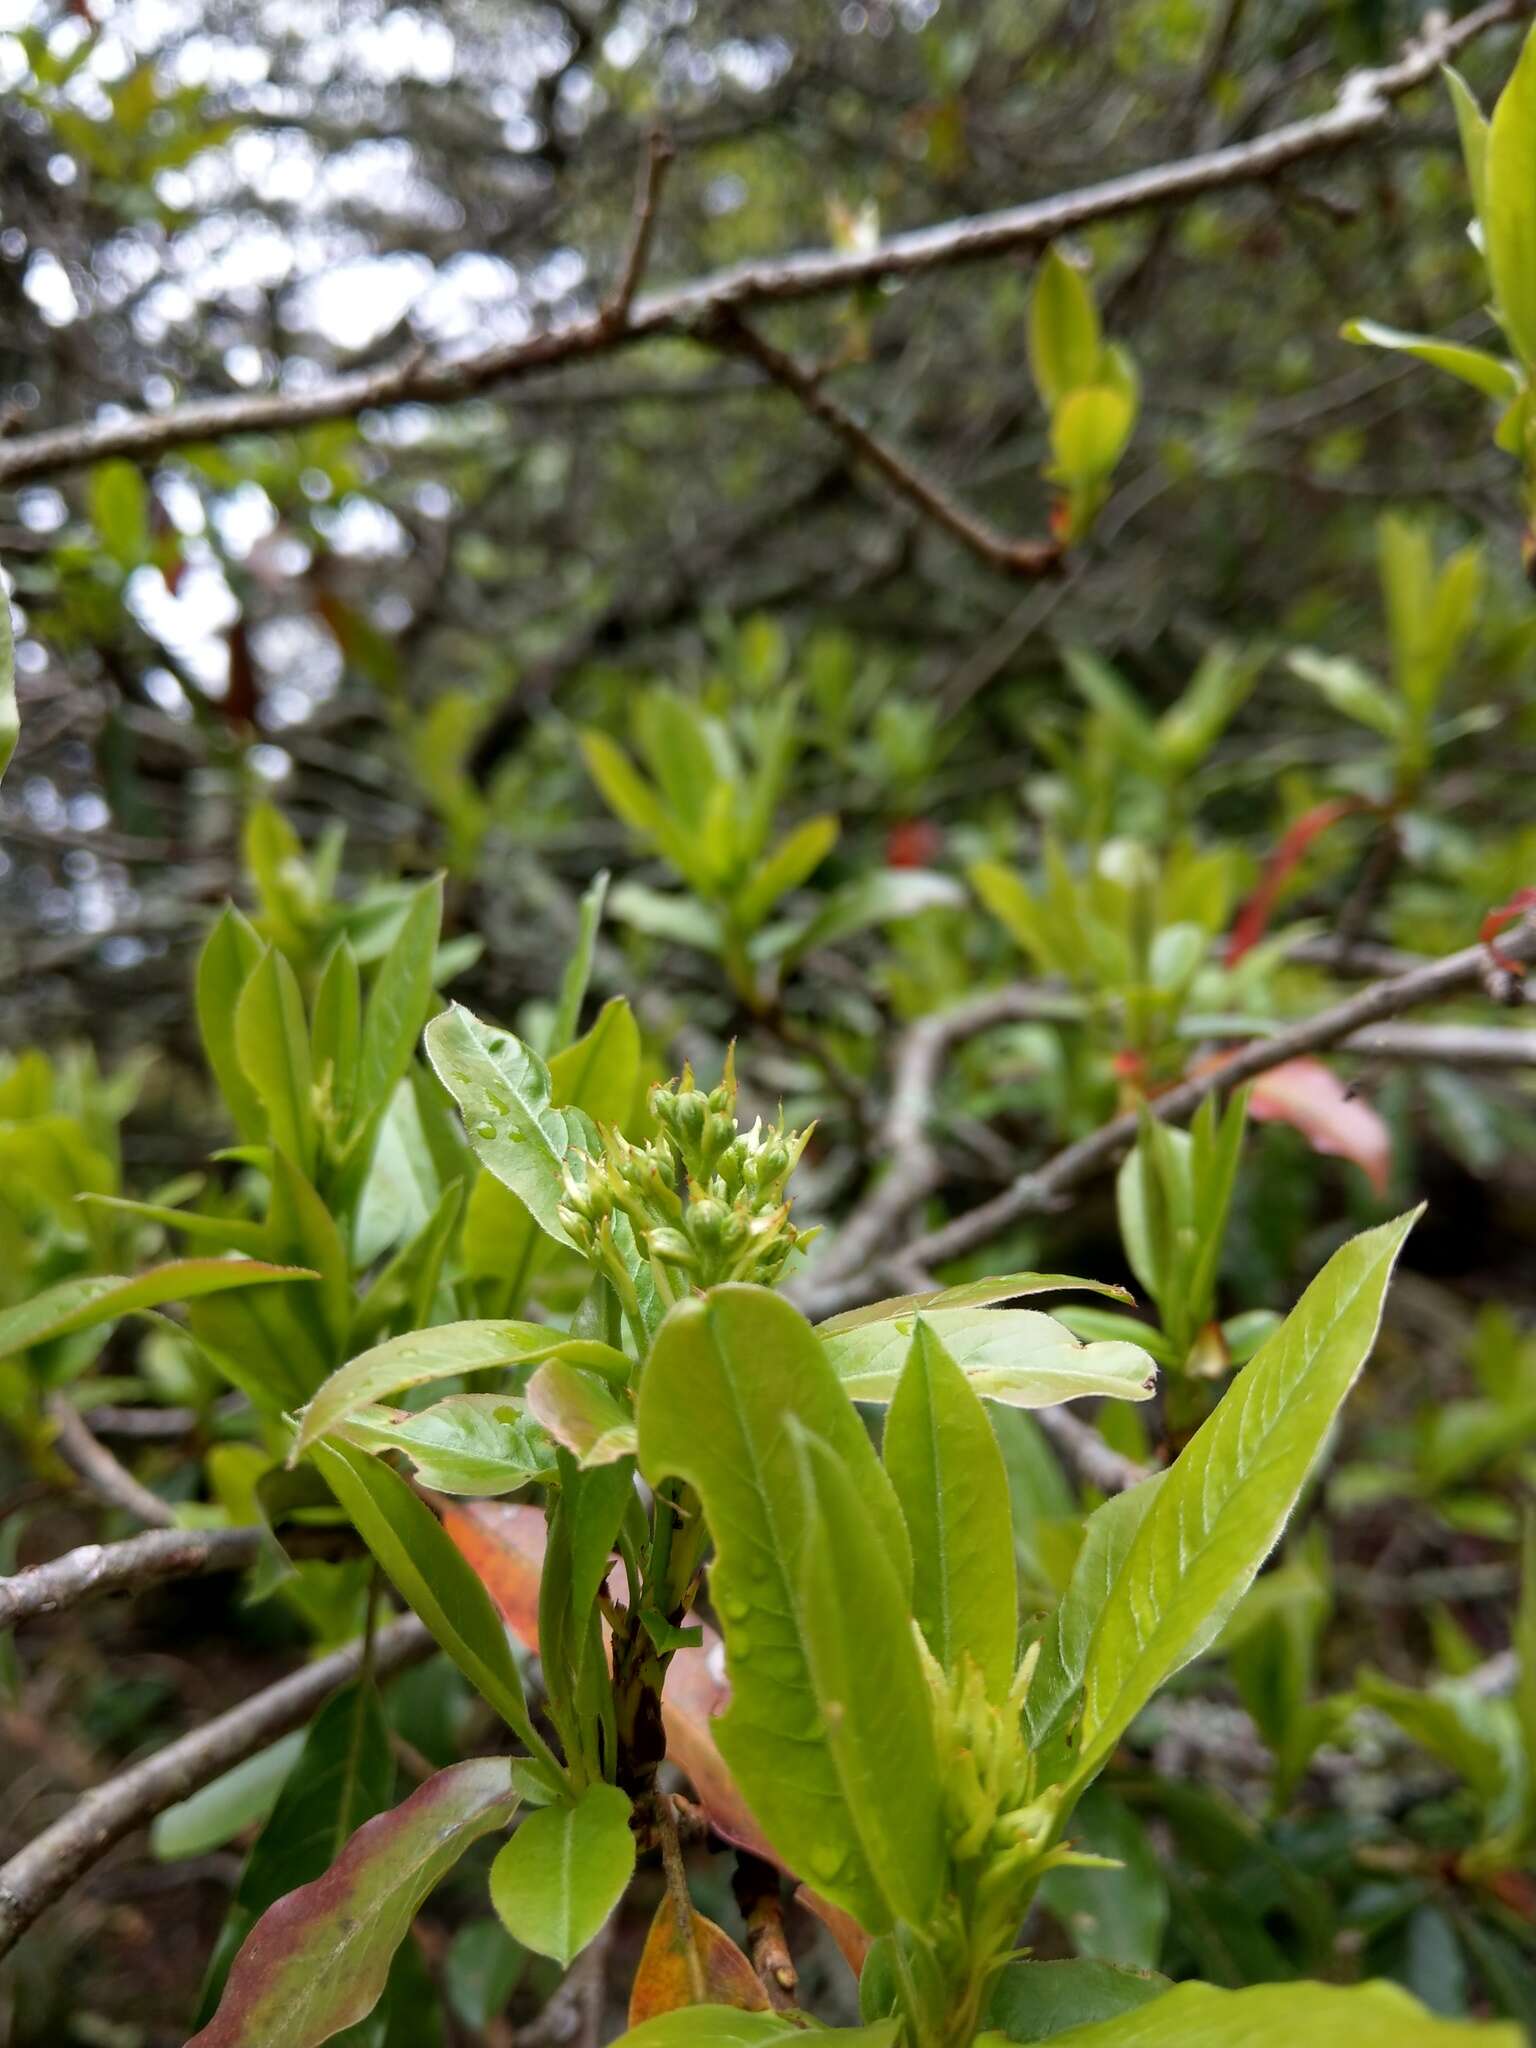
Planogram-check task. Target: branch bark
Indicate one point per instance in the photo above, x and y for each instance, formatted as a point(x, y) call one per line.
point(126, 1567)
point(41, 1873)
point(1030, 558)
point(1362, 107)
point(856, 1270)
point(111, 1482)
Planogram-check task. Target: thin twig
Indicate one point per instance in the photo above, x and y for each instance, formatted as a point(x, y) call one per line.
point(110, 1481)
point(1013, 557)
point(847, 1278)
point(653, 175)
point(125, 1567)
point(677, 1892)
point(1093, 1460)
point(42, 1872)
point(1362, 107)
point(572, 2017)
point(756, 1888)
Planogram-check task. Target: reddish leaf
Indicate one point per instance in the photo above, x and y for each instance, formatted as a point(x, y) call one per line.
point(913, 843)
point(504, 1545)
point(1252, 920)
point(662, 1980)
point(853, 1943)
point(1312, 1098)
point(317, 1961)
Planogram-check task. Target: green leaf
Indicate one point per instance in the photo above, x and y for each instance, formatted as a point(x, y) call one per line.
point(422, 1356)
point(477, 1445)
point(887, 896)
point(481, 1971)
point(1015, 1355)
point(1509, 205)
point(949, 1476)
point(967, 1294)
point(1375, 2015)
point(578, 969)
point(723, 2026)
point(1089, 432)
point(1490, 374)
point(682, 920)
point(430, 1575)
point(227, 1806)
point(1220, 1509)
point(564, 1871)
point(724, 1373)
point(317, 1961)
point(503, 1090)
point(1038, 2001)
point(581, 1413)
point(1464, 1732)
point(1065, 342)
point(856, 1629)
point(1348, 688)
point(343, 1775)
point(10, 717)
point(397, 1005)
point(272, 1041)
point(119, 507)
point(336, 1030)
point(793, 861)
point(228, 959)
point(599, 1073)
point(1472, 127)
point(103, 1297)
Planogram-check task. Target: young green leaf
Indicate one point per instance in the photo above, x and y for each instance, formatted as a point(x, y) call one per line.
point(229, 957)
point(103, 1297)
point(949, 1476)
point(272, 1042)
point(790, 864)
point(724, 1373)
point(968, 1294)
point(578, 969)
point(227, 1806)
point(1509, 205)
point(336, 1030)
point(317, 1961)
point(855, 1625)
point(582, 1413)
point(474, 1445)
point(1220, 1509)
point(1472, 127)
point(1492, 375)
point(504, 1093)
point(397, 1005)
point(599, 1073)
point(429, 1574)
point(1065, 342)
point(1015, 1355)
point(723, 2026)
point(1374, 2015)
point(422, 1356)
point(564, 1871)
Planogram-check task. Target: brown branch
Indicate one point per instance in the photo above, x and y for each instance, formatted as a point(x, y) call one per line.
point(844, 1280)
point(126, 1567)
point(756, 1889)
point(1363, 106)
point(573, 2016)
point(653, 175)
point(41, 1873)
point(996, 549)
point(111, 1482)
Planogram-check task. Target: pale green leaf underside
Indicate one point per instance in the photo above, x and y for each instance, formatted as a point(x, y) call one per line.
point(968, 1294)
point(564, 1871)
point(1019, 1356)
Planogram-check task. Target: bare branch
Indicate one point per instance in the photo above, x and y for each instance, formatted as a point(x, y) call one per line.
point(846, 1279)
point(123, 1568)
point(997, 550)
point(653, 175)
point(1087, 1453)
point(42, 1872)
point(108, 1480)
point(1362, 107)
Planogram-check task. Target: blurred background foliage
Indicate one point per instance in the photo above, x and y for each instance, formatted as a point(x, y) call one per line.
point(641, 615)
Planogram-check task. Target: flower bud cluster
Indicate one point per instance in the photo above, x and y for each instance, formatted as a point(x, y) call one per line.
point(706, 1200)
